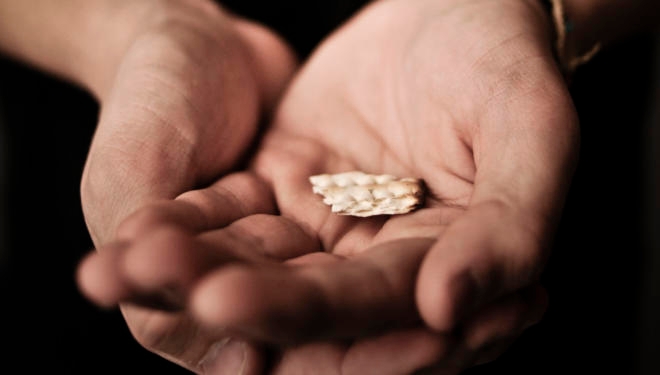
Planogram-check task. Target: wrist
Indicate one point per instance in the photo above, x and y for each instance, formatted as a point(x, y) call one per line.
point(115, 27)
point(107, 30)
point(582, 27)
point(84, 41)
point(589, 24)
point(575, 36)
point(64, 38)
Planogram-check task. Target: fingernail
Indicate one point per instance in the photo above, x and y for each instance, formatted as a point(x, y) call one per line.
point(225, 357)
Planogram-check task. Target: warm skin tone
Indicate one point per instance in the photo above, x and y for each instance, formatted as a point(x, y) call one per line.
point(464, 94)
point(495, 140)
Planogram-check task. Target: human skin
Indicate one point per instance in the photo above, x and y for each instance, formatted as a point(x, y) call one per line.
point(496, 141)
point(466, 95)
point(142, 60)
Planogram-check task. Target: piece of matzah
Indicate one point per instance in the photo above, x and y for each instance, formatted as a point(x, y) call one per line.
point(360, 194)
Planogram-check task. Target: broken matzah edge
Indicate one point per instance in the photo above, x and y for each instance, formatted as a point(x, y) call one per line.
point(360, 194)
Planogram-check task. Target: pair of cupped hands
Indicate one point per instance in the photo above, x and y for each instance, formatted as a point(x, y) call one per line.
point(222, 260)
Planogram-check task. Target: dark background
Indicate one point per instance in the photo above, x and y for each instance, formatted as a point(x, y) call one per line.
point(603, 277)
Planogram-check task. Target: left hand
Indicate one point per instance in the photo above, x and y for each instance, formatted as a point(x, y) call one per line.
point(463, 94)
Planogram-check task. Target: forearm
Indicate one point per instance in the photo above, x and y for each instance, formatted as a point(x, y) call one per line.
point(79, 40)
point(84, 41)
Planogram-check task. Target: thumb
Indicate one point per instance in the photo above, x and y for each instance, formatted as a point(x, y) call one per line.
point(184, 109)
point(525, 157)
point(273, 59)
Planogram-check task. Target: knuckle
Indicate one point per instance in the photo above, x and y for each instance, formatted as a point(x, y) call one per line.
point(452, 294)
point(142, 221)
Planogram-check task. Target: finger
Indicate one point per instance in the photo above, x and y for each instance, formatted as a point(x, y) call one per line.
point(480, 257)
point(180, 340)
point(340, 234)
point(274, 61)
point(288, 304)
point(232, 356)
point(98, 277)
point(397, 352)
point(493, 330)
point(231, 198)
point(159, 268)
point(505, 319)
point(525, 156)
point(270, 236)
point(155, 271)
point(319, 358)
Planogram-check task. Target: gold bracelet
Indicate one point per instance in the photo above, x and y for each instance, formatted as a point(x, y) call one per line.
point(569, 59)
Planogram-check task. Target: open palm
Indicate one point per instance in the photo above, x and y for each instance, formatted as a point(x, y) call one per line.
point(464, 94)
